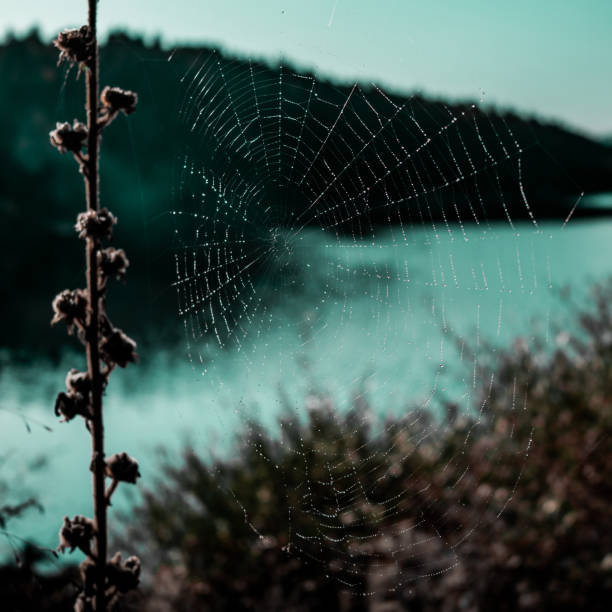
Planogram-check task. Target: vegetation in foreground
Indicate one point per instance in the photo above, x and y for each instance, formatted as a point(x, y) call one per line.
point(506, 508)
point(103, 580)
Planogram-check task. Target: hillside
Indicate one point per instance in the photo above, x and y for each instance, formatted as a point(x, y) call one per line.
point(141, 182)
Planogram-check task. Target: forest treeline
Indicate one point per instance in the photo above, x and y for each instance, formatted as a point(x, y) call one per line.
point(40, 255)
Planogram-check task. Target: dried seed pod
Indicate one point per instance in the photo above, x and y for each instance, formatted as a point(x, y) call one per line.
point(69, 405)
point(95, 224)
point(122, 467)
point(111, 262)
point(75, 46)
point(78, 382)
point(118, 348)
point(87, 569)
point(116, 99)
point(84, 604)
point(76, 533)
point(66, 137)
point(123, 575)
point(70, 306)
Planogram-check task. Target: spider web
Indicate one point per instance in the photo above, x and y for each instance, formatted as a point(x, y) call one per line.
point(335, 232)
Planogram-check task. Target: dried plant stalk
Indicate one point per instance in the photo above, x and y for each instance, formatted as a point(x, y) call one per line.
point(92, 334)
point(85, 309)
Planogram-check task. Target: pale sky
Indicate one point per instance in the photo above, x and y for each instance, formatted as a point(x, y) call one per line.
point(552, 58)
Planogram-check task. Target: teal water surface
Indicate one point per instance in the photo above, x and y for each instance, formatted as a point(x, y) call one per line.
point(379, 318)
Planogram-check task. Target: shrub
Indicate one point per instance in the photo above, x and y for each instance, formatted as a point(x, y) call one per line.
point(506, 508)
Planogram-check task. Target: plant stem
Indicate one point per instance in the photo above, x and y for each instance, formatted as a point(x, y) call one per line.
point(93, 331)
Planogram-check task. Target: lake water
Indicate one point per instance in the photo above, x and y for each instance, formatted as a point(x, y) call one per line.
point(378, 318)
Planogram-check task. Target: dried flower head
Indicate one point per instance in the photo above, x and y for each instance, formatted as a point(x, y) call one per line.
point(87, 569)
point(118, 348)
point(116, 99)
point(123, 575)
point(84, 603)
point(111, 262)
point(76, 533)
point(78, 382)
point(70, 306)
point(95, 224)
point(122, 467)
point(69, 405)
point(75, 46)
point(66, 137)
